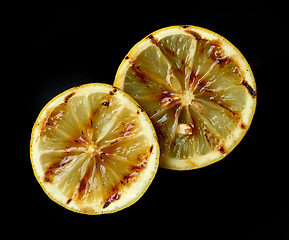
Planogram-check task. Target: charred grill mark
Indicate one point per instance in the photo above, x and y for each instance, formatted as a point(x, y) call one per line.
point(249, 88)
point(185, 26)
point(84, 183)
point(212, 139)
point(81, 139)
point(168, 99)
point(114, 197)
point(217, 54)
point(151, 148)
point(64, 161)
point(207, 137)
point(194, 34)
point(105, 103)
point(222, 150)
point(68, 97)
point(153, 39)
point(141, 165)
point(115, 89)
point(135, 171)
point(50, 171)
point(228, 109)
point(140, 74)
point(106, 204)
point(172, 53)
point(141, 109)
point(81, 186)
point(137, 67)
point(222, 61)
point(68, 201)
point(55, 168)
point(55, 116)
point(242, 125)
point(68, 149)
point(113, 142)
point(236, 116)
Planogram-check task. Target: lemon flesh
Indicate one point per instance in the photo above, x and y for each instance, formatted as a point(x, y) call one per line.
point(94, 150)
point(197, 89)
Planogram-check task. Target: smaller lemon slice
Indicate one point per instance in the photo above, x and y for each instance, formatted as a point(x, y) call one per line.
point(93, 149)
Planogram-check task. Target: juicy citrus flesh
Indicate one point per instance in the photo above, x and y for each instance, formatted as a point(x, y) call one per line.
point(94, 149)
point(198, 90)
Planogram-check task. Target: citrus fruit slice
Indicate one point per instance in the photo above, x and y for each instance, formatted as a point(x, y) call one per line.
point(198, 90)
point(93, 149)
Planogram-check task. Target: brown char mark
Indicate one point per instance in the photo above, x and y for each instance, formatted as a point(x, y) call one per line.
point(135, 171)
point(105, 103)
point(250, 89)
point(242, 125)
point(141, 109)
point(114, 197)
point(113, 142)
point(81, 186)
point(194, 34)
point(68, 97)
point(151, 148)
point(153, 39)
point(222, 150)
point(50, 172)
point(115, 89)
point(228, 109)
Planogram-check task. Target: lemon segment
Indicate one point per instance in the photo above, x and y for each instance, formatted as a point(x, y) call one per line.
point(198, 90)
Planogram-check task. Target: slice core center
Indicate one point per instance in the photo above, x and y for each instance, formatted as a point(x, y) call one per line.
point(187, 97)
point(93, 149)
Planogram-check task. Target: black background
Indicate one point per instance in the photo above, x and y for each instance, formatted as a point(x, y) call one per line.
point(243, 196)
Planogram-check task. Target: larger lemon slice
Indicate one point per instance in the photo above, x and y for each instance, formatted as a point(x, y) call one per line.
point(94, 150)
point(198, 90)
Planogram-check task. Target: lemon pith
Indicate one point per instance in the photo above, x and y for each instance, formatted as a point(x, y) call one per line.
point(198, 90)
